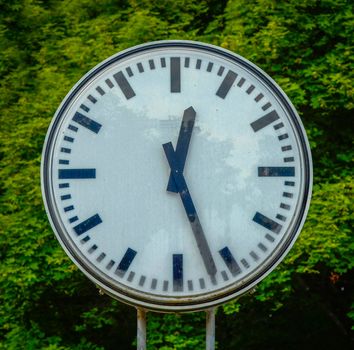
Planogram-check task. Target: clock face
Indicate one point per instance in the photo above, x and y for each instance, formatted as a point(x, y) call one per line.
point(176, 175)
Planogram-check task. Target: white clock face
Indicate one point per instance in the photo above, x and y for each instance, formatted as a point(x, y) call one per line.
point(176, 175)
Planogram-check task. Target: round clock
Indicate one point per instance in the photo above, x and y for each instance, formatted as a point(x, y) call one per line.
point(176, 175)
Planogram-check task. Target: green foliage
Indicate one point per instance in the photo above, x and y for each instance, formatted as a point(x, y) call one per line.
point(170, 332)
point(306, 46)
point(331, 214)
point(351, 314)
point(314, 36)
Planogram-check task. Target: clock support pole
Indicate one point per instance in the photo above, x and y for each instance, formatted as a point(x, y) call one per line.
point(141, 329)
point(210, 329)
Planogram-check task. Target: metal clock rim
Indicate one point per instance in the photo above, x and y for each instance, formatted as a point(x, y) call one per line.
point(214, 299)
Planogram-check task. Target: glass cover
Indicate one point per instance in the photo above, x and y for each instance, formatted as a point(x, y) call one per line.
point(176, 172)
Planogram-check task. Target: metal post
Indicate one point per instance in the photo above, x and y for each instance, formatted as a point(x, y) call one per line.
point(210, 329)
point(141, 329)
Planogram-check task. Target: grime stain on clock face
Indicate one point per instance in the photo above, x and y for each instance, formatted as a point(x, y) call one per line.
point(177, 172)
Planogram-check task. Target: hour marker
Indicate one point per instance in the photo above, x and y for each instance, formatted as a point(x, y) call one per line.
point(124, 264)
point(230, 261)
point(163, 62)
point(250, 89)
point(73, 219)
point(63, 161)
point(88, 224)
point(175, 74)
point(68, 138)
point(221, 70)
point(289, 183)
point(65, 197)
point(85, 239)
point(73, 128)
point(177, 260)
point(190, 285)
point(288, 159)
point(109, 83)
point(110, 264)
point(153, 283)
point(241, 82)
point(101, 257)
point(288, 195)
point(165, 286)
point(201, 283)
point(245, 263)
point(142, 280)
point(64, 185)
point(131, 276)
point(267, 223)
point(186, 62)
point(77, 173)
point(65, 150)
point(140, 68)
point(269, 237)
point(151, 64)
point(285, 206)
point(283, 137)
point(69, 208)
point(254, 255)
point(226, 84)
point(281, 217)
point(210, 66)
point(198, 64)
point(264, 121)
point(129, 71)
point(286, 148)
point(84, 108)
point(87, 122)
point(276, 171)
point(262, 247)
point(278, 126)
point(100, 90)
point(92, 249)
point(124, 85)
point(224, 275)
point(258, 97)
point(266, 106)
point(91, 98)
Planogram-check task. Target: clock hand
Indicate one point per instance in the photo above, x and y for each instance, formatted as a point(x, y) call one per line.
point(191, 212)
point(184, 137)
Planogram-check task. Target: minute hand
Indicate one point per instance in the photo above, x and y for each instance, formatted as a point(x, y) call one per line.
point(190, 209)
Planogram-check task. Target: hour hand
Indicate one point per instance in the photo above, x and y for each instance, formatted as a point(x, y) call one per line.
point(191, 212)
point(184, 137)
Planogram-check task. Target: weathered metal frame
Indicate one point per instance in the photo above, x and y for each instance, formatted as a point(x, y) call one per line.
point(139, 299)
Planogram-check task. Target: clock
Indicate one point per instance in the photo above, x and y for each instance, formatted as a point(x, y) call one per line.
point(176, 175)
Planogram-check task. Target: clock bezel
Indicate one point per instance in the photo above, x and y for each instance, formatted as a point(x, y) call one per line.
point(143, 299)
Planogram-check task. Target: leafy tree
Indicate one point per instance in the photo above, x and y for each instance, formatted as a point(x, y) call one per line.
point(306, 46)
